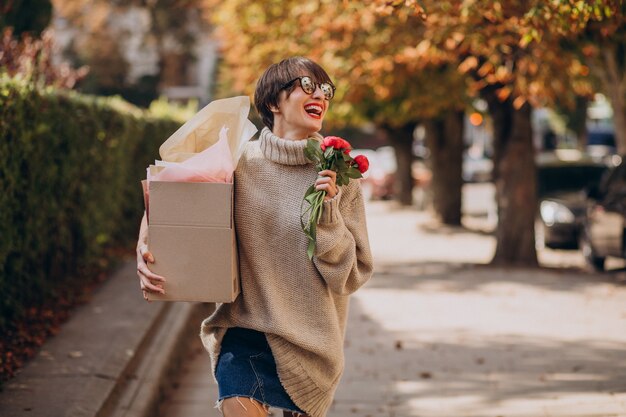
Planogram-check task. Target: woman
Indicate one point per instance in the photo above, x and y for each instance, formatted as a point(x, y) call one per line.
point(280, 344)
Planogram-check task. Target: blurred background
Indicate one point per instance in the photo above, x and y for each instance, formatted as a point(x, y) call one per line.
point(506, 119)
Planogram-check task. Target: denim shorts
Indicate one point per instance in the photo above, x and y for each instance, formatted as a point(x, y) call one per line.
point(246, 368)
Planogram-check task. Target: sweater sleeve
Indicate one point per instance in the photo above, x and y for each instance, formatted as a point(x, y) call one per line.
point(342, 254)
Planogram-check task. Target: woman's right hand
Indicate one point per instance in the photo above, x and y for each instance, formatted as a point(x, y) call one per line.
point(148, 281)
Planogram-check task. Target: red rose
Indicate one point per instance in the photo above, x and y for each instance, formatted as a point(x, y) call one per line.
point(328, 141)
point(362, 163)
point(335, 142)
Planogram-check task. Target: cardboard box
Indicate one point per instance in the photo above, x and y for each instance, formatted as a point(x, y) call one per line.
point(191, 234)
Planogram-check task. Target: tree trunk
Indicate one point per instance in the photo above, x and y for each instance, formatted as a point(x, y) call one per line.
point(401, 138)
point(578, 122)
point(444, 138)
point(614, 61)
point(515, 181)
point(619, 122)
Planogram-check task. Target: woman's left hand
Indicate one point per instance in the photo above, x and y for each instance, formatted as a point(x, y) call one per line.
point(327, 181)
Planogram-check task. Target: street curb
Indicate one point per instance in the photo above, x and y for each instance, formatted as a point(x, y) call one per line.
point(112, 358)
point(141, 388)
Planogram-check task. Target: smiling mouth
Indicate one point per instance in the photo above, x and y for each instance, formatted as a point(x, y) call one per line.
point(314, 110)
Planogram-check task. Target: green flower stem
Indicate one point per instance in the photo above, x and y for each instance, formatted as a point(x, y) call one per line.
point(329, 159)
point(315, 213)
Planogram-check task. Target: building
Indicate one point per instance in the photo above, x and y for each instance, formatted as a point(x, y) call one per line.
point(182, 59)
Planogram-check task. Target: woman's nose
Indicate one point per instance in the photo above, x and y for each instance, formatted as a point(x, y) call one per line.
point(318, 93)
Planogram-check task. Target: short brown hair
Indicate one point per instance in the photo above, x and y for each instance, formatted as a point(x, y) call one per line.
point(274, 78)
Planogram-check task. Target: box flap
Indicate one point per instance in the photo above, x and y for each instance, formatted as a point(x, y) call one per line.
point(191, 204)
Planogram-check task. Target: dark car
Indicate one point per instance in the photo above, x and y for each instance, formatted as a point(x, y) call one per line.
point(604, 222)
point(562, 186)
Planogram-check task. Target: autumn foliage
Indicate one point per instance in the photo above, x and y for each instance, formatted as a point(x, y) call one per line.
point(400, 62)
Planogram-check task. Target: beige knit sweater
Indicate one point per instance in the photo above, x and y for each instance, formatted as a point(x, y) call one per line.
point(301, 305)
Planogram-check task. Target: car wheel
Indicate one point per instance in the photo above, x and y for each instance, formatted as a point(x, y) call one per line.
point(592, 260)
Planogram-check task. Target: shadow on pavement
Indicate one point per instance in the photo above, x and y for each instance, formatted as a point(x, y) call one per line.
point(426, 370)
point(469, 277)
point(436, 228)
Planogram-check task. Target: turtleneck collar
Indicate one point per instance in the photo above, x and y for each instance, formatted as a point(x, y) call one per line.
point(284, 151)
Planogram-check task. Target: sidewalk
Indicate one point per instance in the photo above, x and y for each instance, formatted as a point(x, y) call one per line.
point(434, 333)
point(114, 357)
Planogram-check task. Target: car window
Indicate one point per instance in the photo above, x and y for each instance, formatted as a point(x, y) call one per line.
point(559, 178)
point(605, 138)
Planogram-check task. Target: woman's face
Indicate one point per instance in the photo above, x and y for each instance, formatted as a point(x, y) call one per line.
point(299, 115)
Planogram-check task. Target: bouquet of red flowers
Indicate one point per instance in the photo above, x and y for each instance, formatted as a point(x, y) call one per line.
point(332, 153)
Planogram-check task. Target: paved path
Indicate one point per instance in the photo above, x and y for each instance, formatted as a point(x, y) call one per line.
point(435, 333)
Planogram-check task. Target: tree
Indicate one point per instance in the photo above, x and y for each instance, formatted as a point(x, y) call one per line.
point(444, 138)
point(493, 42)
point(596, 32)
point(172, 27)
point(31, 58)
point(25, 16)
point(368, 54)
point(27, 49)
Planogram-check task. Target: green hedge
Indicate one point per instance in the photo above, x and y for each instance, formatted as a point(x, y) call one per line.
point(70, 167)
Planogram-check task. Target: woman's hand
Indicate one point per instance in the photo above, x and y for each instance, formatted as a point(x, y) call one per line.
point(148, 281)
point(327, 182)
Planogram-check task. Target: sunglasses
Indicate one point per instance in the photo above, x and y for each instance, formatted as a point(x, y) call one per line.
point(308, 86)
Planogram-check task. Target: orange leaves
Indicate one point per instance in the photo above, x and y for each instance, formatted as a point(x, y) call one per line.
point(577, 68)
point(367, 19)
point(503, 75)
point(384, 8)
point(389, 7)
point(407, 55)
point(508, 92)
point(504, 93)
point(529, 35)
point(589, 50)
point(454, 40)
point(382, 92)
point(416, 5)
point(381, 65)
point(519, 102)
point(527, 67)
point(413, 53)
point(422, 47)
point(468, 64)
point(584, 70)
point(485, 69)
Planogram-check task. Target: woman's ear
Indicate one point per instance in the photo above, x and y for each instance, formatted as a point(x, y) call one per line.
point(274, 109)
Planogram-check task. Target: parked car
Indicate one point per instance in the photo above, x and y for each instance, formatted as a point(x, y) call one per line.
point(604, 224)
point(561, 186)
